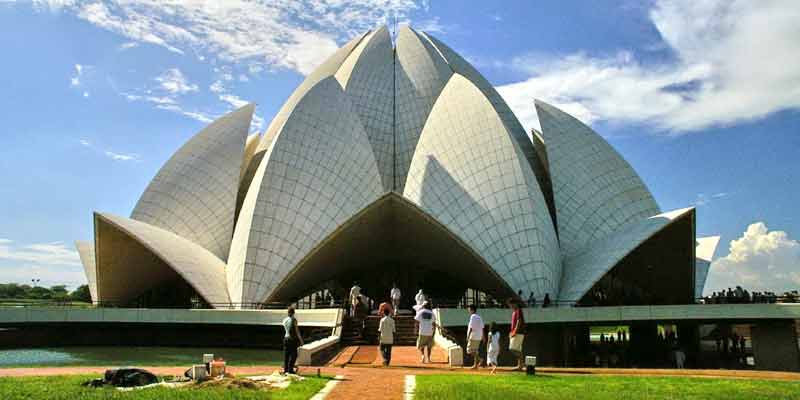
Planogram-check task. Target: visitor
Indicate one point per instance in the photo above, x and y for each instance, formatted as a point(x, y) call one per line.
point(531, 300)
point(426, 322)
point(680, 358)
point(493, 347)
point(516, 335)
point(474, 335)
point(395, 295)
point(546, 301)
point(360, 311)
point(355, 292)
point(386, 330)
point(741, 344)
point(385, 306)
point(420, 299)
point(291, 340)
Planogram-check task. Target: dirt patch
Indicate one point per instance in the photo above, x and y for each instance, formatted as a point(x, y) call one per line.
point(232, 383)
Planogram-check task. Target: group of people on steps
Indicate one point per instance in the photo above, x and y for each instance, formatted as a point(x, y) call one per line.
point(426, 325)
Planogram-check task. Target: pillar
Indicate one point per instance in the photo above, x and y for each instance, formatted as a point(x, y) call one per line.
point(775, 345)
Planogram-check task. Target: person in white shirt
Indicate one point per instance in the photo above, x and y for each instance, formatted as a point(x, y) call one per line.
point(386, 330)
point(493, 347)
point(395, 295)
point(355, 291)
point(474, 335)
point(426, 322)
point(419, 298)
point(291, 340)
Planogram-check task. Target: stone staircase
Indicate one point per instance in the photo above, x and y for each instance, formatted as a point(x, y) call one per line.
point(405, 331)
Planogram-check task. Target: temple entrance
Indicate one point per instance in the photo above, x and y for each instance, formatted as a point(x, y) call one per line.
point(375, 283)
point(392, 240)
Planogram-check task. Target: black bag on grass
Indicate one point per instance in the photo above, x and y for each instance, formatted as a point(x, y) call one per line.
point(129, 377)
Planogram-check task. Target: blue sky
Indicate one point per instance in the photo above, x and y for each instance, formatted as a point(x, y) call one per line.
point(701, 97)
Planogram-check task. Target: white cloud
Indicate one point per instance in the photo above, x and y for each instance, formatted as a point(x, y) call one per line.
point(170, 86)
point(703, 199)
point(217, 87)
point(734, 61)
point(196, 115)
point(128, 45)
point(109, 153)
point(760, 260)
point(39, 253)
point(431, 25)
point(173, 81)
point(50, 263)
point(289, 34)
point(233, 100)
point(121, 157)
point(75, 81)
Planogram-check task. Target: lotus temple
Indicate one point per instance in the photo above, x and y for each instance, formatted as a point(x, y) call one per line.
point(397, 162)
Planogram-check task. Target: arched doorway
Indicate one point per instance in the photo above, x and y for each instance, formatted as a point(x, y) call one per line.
point(393, 241)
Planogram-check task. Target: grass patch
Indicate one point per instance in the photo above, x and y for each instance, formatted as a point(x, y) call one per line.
point(132, 355)
point(508, 387)
point(69, 387)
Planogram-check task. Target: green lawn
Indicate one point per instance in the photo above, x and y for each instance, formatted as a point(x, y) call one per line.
point(69, 387)
point(132, 355)
point(508, 387)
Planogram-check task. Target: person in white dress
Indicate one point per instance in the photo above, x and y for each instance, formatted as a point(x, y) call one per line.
point(395, 295)
point(355, 291)
point(493, 346)
point(420, 299)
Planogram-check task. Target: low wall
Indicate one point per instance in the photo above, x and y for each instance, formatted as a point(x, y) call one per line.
point(320, 351)
point(455, 353)
point(700, 312)
point(33, 315)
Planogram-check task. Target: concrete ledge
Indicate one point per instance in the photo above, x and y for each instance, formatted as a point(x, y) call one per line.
point(455, 354)
point(698, 312)
point(26, 315)
point(306, 352)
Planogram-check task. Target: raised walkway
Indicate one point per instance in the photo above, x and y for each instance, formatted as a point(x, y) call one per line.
point(697, 312)
point(447, 316)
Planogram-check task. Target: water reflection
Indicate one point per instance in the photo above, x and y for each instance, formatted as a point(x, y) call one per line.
point(150, 356)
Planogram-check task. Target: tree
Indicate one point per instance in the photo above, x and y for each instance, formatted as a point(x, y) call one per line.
point(39, 292)
point(59, 292)
point(81, 293)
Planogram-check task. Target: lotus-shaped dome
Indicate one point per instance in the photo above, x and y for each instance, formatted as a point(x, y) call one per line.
point(397, 154)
